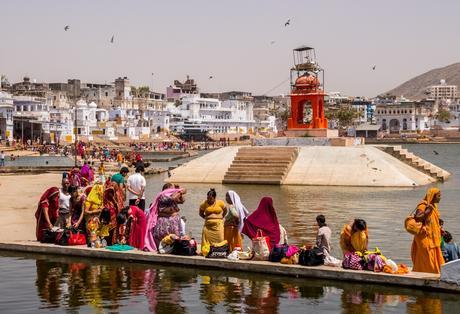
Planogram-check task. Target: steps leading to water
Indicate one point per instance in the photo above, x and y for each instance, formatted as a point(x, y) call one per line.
point(261, 165)
point(416, 162)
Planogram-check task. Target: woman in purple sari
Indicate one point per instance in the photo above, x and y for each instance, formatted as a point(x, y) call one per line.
point(163, 218)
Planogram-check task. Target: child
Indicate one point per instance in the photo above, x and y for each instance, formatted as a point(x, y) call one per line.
point(451, 251)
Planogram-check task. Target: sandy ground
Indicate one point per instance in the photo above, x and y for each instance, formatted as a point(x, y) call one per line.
point(18, 202)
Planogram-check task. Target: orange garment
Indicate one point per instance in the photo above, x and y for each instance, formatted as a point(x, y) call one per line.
point(351, 242)
point(426, 248)
point(233, 237)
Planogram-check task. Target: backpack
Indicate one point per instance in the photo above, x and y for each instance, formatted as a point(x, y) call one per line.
point(311, 257)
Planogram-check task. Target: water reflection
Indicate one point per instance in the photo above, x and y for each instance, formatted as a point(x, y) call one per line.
point(111, 287)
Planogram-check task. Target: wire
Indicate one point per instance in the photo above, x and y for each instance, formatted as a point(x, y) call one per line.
point(278, 85)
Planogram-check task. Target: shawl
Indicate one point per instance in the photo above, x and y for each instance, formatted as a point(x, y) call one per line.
point(242, 211)
point(152, 219)
point(265, 219)
point(49, 199)
point(95, 197)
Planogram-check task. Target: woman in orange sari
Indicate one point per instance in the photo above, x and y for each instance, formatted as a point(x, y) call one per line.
point(354, 237)
point(426, 248)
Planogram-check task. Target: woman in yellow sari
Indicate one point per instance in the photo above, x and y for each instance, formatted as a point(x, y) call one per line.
point(213, 211)
point(354, 237)
point(93, 207)
point(426, 248)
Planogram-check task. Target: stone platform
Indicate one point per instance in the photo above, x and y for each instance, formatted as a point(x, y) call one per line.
point(413, 280)
point(359, 165)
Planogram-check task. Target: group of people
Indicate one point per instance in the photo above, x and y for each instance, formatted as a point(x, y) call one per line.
point(99, 209)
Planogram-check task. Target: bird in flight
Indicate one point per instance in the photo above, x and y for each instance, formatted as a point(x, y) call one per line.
point(272, 42)
point(66, 28)
point(373, 68)
point(435, 152)
point(210, 77)
point(288, 22)
point(111, 39)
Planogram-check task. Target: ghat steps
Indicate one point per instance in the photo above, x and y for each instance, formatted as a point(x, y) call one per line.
point(418, 163)
point(261, 165)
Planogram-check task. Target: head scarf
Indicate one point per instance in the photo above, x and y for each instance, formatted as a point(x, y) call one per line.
point(152, 218)
point(242, 211)
point(265, 219)
point(95, 197)
point(428, 199)
point(49, 199)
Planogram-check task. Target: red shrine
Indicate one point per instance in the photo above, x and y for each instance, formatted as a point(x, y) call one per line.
point(307, 95)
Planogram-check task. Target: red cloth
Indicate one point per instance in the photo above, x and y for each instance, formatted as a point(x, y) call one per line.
point(50, 200)
point(138, 157)
point(265, 219)
point(138, 228)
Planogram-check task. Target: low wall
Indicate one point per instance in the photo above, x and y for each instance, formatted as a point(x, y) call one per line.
point(414, 280)
point(308, 141)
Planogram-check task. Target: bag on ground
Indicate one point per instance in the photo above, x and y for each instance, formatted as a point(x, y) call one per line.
point(351, 260)
point(49, 236)
point(261, 246)
point(311, 257)
point(218, 250)
point(76, 238)
point(184, 247)
point(278, 252)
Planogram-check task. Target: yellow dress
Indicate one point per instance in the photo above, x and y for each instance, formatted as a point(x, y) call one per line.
point(231, 231)
point(213, 229)
point(426, 248)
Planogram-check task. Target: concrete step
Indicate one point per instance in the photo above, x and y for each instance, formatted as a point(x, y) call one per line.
point(255, 172)
point(256, 167)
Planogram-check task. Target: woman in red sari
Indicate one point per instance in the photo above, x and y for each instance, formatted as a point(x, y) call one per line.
point(132, 218)
point(47, 211)
point(263, 218)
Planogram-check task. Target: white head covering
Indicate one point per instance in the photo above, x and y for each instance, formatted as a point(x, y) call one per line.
point(242, 211)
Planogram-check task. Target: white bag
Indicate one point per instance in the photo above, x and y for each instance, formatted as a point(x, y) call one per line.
point(261, 246)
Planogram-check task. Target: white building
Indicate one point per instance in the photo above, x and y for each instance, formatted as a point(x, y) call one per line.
point(90, 119)
point(6, 116)
point(443, 91)
point(210, 114)
point(405, 116)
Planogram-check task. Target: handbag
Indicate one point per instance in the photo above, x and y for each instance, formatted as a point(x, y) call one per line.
point(261, 246)
point(351, 260)
point(219, 250)
point(312, 257)
point(411, 225)
point(49, 236)
point(62, 237)
point(278, 252)
point(76, 238)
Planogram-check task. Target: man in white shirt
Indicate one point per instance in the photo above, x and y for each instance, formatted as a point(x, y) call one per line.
point(136, 188)
point(2, 159)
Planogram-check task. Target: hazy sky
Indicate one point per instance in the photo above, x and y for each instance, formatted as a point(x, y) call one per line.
point(230, 40)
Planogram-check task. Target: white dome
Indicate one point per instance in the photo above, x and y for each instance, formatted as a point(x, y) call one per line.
point(92, 105)
point(81, 103)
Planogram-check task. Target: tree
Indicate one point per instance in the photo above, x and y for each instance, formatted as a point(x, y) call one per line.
point(344, 116)
point(443, 115)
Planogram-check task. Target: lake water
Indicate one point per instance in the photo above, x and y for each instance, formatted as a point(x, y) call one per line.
point(56, 284)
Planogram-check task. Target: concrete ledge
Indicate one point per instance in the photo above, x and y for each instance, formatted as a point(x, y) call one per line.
point(414, 280)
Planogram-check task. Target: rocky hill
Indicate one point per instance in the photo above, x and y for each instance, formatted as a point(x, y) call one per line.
point(415, 88)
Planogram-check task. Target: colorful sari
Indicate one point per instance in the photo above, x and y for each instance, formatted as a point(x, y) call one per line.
point(48, 201)
point(426, 248)
point(213, 229)
point(85, 175)
point(353, 241)
point(153, 219)
point(263, 218)
point(94, 201)
point(77, 207)
point(234, 221)
point(137, 228)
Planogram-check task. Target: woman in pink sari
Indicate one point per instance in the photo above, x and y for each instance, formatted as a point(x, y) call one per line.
point(134, 219)
point(163, 218)
point(263, 218)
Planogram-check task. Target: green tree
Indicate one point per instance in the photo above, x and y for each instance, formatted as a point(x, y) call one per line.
point(443, 115)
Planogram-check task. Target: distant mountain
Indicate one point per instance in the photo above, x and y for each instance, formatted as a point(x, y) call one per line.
point(415, 88)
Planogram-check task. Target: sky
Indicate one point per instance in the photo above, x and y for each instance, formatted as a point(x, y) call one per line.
point(228, 40)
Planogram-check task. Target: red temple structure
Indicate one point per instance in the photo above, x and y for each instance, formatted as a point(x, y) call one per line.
point(307, 95)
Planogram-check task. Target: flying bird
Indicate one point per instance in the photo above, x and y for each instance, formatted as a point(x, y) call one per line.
point(111, 39)
point(210, 77)
point(373, 68)
point(288, 22)
point(272, 42)
point(66, 28)
point(435, 152)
